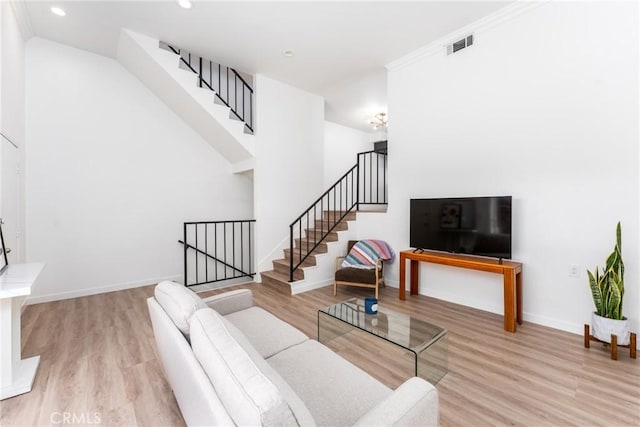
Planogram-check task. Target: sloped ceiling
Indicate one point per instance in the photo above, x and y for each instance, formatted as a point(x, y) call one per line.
point(340, 47)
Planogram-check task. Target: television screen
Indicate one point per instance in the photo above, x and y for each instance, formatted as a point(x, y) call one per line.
point(466, 225)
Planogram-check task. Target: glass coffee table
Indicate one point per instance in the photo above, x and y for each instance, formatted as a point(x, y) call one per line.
point(425, 341)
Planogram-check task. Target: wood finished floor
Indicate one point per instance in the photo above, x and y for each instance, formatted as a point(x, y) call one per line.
point(98, 357)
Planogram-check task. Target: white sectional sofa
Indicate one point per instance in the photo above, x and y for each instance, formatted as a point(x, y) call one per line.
point(231, 363)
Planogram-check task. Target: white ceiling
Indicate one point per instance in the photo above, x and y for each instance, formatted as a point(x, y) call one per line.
point(340, 47)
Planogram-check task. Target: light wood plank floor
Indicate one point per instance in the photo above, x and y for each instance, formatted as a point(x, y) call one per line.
point(98, 359)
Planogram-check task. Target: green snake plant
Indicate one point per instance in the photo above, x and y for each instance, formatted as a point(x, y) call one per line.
point(607, 288)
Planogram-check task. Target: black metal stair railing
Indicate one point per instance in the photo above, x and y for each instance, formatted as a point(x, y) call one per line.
point(227, 84)
point(217, 250)
point(364, 184)
point(372, 182)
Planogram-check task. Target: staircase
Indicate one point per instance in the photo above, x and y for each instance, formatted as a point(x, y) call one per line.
point(173, 76)
point(327, 249)
point(321, 232)
point(228, 86)
point(217, 102)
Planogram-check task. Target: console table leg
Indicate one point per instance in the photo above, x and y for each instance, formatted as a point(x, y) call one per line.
point(510, 308)
point(403, 277)
point(519, 297)
point(414, 276)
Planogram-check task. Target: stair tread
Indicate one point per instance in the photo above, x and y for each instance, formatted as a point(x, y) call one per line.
point(276, 281)
point(330, 215)
point(339, 226)
point(330, 237)
point(283, 266)
point(330, 220)
point(309, 262)
point(319, 230)
point(301, 248)
point(296, 251)
point(310, 239)
point(280, 277)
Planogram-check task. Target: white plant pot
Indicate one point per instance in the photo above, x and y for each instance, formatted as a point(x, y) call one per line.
point(603, 327)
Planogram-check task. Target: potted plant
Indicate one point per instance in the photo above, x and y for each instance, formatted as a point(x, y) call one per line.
point(607, 290)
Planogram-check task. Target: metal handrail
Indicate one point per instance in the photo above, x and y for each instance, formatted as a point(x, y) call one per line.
point(222, 88)
point(226, 247)
point(325, 193)
point(358, 180)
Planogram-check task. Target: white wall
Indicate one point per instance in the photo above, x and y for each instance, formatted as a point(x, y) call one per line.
point(543, 107)
point(341, 147)
point(12, 124)
point(289, 162)
point(113, 173)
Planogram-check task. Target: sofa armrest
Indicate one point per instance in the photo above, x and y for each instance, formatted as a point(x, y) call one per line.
point(415, 402)
point(230, 302)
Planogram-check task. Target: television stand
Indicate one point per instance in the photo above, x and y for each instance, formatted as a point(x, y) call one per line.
point(510, 270)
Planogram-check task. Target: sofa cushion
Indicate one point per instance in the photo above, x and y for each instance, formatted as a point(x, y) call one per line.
point(355, 275)
point(197, 399)
point(336, 392)
point(297, 406)
point(248, 396)
point(268, 334)
point(179, 303)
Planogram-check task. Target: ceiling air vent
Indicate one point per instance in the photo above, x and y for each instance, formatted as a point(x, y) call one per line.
point(460, 44)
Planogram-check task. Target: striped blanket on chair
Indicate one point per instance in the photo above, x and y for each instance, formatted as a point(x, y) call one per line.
point(365, 253)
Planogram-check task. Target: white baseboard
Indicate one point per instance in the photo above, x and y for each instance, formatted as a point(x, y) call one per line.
point(553, 323)
point(392, 283)
point(99, 290)
point(305, 286)
point(550, 322)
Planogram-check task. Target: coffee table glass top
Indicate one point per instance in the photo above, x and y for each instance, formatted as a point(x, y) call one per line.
point(398, 328)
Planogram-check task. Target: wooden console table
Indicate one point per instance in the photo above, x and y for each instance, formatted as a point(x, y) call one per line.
point(510, 270)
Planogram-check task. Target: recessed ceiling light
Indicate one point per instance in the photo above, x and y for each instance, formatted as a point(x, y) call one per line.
point(288, 53)
point(186, 4)
point(58, 11)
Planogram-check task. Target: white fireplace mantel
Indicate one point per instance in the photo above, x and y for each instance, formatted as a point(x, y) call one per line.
point(16, 374)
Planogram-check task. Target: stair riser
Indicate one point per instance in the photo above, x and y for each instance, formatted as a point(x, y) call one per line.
point(298, 274)
point(302, 243)
point(341, 226)
point(331, 237)
point(283, 288)
point(310, 261)
point(296, 256)
point(330, 215)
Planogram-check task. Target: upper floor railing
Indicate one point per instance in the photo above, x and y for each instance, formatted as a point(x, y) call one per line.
point(217, 250)
point(229, 86)
point(372, 178)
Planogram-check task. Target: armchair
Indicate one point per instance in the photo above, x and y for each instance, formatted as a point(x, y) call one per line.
point(360, 277)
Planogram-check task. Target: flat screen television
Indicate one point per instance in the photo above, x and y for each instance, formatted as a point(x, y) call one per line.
point(466, 225)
